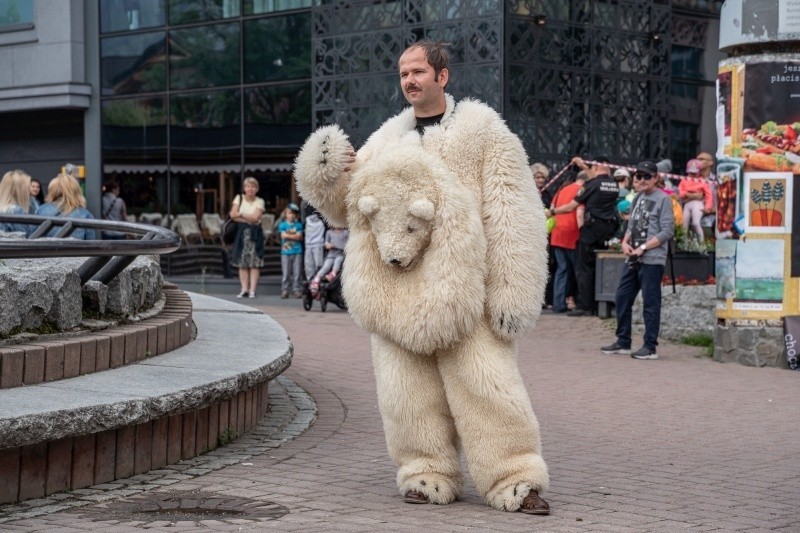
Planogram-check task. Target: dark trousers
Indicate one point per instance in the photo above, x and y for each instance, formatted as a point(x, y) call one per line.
point(646, 278)
point(593, 236)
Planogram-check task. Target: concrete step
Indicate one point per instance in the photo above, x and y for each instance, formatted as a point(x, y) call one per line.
point(108, 425)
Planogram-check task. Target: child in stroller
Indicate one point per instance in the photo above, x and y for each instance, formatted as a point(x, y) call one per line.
point(326, 284)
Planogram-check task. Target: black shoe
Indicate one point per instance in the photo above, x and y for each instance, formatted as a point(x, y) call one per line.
point(615, 349)
point(645, 353)
point(578, 312)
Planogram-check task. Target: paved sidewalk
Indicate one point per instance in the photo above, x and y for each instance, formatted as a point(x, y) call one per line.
point(674, 444)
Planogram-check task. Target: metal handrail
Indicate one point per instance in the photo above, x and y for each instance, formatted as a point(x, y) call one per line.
point(106, 258)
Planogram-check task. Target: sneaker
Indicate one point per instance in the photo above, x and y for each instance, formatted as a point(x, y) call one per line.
point(251, 294)
point(645, 353)
point(242, 294)
point(284, 295)
point(297, 294)
point(615, 349)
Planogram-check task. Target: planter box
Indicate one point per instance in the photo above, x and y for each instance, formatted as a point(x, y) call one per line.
point(609, 264)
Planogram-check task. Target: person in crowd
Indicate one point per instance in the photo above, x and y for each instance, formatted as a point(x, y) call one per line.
point(14, 199)
point(540, 175)
point(623, 179)
point(599, 196)
point(709, 220)
point(563, 241)
point(65, 199)
point(624, 210)
point(335, 241)
point(694, 209)
point(650, 227)
point(314, 235)
point(291, 232)
point(247, 253)
point(113, 209)
point(37, 195)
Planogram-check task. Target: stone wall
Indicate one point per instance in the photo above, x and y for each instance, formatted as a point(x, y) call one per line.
point(691, 310)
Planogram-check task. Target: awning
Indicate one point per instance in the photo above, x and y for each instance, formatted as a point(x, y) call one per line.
point(197, 169)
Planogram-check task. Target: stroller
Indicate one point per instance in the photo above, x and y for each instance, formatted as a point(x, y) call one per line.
point(329, 291)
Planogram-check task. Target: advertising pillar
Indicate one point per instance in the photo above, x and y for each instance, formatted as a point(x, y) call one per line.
point(758, 176)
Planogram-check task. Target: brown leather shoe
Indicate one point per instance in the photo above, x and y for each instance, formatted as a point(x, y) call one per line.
point(534, 504)
point(415, 496)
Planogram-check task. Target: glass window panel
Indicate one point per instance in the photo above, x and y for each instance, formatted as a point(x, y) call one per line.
point(278, 48)
point(15, 13)
point(134, 134)
point(276, 117)
point(184, 11)
point(122, 15)
point(256, 7)
point(133, 63)
point(204, 127)
point(206, 56)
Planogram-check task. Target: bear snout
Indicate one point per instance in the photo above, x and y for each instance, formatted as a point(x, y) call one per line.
point(394, 262)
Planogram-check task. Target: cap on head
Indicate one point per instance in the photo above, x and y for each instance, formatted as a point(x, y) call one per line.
point(647, 167)
point(624, 206)
point(293, 206)
point(622, 173)
point(694, 166)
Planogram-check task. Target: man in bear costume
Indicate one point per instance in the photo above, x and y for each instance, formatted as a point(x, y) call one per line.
point(447, 374)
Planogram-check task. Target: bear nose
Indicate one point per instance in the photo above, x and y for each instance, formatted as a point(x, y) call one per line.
point(395, 261)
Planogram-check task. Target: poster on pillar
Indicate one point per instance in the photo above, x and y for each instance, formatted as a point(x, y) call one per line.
point(758, 122)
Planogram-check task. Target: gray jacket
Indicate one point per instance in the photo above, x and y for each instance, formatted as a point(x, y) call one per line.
point(651, 216)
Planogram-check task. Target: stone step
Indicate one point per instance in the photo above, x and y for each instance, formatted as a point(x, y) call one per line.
point(90, 429)
point(53, 357)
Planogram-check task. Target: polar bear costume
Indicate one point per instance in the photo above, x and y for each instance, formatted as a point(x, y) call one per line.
point(447, 265)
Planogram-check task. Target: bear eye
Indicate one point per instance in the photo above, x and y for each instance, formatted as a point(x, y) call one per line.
point(410, 229)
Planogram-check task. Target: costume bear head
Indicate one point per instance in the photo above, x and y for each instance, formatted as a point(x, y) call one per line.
point(416, 258)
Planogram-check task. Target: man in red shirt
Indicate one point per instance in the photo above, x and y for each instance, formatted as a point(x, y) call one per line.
point(563, 241)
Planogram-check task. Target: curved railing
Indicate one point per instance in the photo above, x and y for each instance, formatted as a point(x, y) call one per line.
point(106, 258)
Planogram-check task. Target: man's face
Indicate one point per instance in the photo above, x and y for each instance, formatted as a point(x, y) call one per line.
point(707, 160)
point(539, 178)
point(418, 80)
point(645, 183)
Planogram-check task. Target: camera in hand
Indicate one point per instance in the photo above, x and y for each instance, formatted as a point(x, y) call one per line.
point(634, 261)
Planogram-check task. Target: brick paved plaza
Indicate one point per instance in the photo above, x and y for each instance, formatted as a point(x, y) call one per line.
point(681, 443)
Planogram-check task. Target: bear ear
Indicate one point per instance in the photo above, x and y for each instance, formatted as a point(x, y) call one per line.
point(368, 205)
point(423, 209)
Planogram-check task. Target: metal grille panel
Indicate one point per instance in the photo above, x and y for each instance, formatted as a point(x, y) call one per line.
point(593, 78)
point(356, 46)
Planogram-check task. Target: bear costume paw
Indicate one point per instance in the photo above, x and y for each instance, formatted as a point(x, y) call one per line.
point(509, 325)
point(439, 489)
point(324, 156)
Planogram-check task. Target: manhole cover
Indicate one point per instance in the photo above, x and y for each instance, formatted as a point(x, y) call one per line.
point(185, 506)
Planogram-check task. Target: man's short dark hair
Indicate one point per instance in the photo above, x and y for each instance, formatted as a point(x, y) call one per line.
point(435, 53)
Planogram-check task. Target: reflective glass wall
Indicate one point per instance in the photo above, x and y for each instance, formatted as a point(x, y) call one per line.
point(197, 94)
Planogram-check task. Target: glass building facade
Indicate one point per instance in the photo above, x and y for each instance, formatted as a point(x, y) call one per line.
point(197, 94)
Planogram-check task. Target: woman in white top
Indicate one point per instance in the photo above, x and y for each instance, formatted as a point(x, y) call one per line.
point(248, 248)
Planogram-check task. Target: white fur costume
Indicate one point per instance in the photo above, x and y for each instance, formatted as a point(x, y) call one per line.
point(446, 268)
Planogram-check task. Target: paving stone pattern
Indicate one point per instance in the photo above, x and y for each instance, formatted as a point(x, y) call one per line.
point(681, 443)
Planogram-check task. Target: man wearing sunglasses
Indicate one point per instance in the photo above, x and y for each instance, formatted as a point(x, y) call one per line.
point(650, 226)
point(599, 197)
